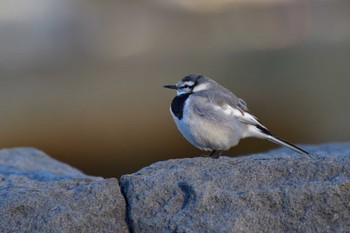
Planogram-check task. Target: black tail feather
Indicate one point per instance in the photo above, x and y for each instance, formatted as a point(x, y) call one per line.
point(280, 141)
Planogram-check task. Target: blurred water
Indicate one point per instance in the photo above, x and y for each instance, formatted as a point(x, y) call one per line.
point(83, 80)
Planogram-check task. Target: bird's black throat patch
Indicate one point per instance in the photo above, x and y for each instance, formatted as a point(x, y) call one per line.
point(177, 106)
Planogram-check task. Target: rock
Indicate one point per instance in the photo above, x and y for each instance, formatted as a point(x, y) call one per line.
point(39, 194)
point(278, 191)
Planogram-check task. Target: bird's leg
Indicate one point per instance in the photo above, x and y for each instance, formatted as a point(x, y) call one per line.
point(217, 155)
point(220, 153)
point(212, 153)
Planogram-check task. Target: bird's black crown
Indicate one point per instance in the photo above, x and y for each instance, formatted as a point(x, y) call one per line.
point(196, 78)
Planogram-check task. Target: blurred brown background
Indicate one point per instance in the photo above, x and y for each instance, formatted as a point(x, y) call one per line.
point(82, 80)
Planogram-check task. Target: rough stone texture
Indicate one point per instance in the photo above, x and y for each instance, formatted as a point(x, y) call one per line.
point(279, 191)
point(39, 194)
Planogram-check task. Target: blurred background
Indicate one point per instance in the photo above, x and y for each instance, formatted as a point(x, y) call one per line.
point(82, 80)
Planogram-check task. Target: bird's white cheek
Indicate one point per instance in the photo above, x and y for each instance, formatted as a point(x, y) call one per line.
point(201, 87)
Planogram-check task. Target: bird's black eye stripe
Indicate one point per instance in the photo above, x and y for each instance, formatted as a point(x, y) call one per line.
point(186, 86)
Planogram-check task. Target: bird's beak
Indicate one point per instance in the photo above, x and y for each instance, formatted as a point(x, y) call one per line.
point(171, 86)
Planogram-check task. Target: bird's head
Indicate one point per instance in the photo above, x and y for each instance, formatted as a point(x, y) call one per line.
point(191, 83)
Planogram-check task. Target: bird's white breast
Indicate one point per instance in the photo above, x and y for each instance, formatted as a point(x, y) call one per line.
point(207, 134)
point(184, 126)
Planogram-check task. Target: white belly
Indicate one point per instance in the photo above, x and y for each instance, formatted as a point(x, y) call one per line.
point(207, 135)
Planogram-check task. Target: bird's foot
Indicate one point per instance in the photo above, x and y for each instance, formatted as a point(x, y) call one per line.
point(215, 155)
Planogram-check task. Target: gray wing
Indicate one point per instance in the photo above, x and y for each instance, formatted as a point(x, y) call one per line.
point(204, 104)
point(221, 96)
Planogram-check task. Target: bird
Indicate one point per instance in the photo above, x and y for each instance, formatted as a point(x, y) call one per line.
point(213, 119)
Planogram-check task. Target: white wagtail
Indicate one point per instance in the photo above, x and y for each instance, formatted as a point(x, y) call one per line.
point(213, 119)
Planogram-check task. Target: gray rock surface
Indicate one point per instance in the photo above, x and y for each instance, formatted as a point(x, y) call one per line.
point(40, 194)
point(278, 191)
